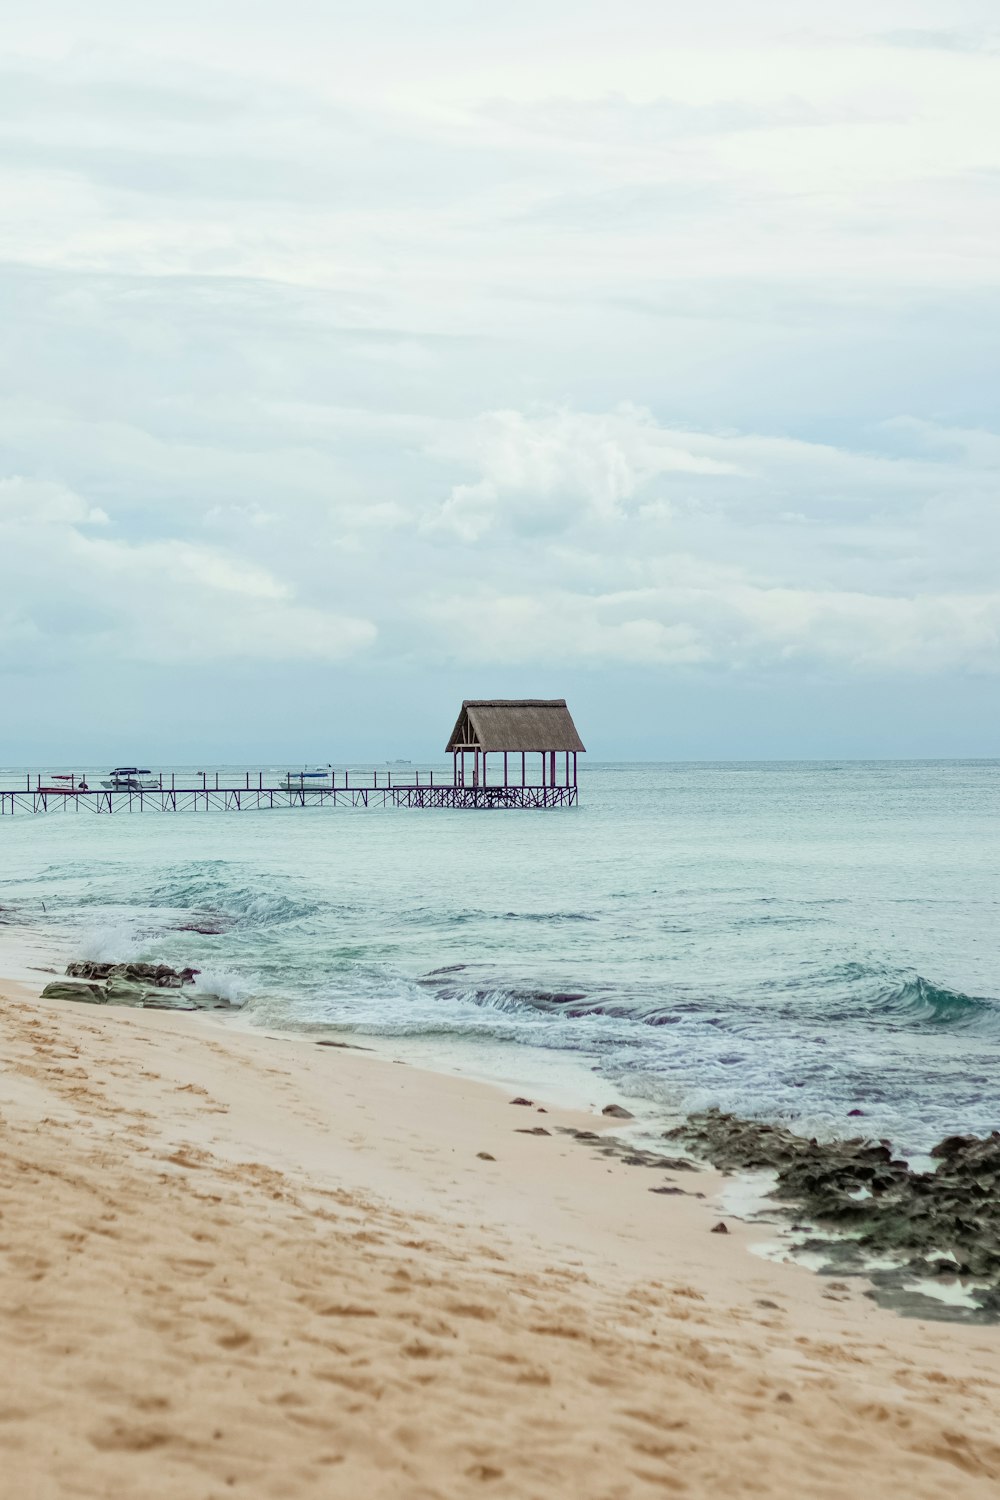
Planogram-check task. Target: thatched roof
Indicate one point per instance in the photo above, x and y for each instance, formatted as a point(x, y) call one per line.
point(515, 724)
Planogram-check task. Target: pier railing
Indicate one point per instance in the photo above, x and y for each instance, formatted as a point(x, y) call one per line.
point(244, 790)
point(69, 783)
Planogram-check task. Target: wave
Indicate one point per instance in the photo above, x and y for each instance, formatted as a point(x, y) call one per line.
point(243, 906)
point(560, 1004)
point(443, 919)
point(545, 916)
point(860, 994)
point(926, 1001)
point(206, 889)
point(880, 992)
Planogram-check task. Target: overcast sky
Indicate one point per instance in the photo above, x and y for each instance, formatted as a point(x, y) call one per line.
point(359, 358)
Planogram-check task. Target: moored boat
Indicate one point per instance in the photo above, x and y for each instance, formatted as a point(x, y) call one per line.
point(131, 779)
point(297, 780)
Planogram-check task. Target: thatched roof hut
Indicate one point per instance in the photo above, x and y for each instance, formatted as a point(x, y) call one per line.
point(520, 725)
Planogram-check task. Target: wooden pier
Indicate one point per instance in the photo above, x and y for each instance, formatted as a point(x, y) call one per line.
point(526, 737)
point(212, 794)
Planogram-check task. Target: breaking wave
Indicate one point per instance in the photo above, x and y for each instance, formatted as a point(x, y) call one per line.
point(923, 1000)
point(895, 997)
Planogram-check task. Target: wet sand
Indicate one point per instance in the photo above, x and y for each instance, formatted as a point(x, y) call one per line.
point(237, 1264)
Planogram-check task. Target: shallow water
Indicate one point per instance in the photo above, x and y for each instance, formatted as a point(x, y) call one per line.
point(790, 941)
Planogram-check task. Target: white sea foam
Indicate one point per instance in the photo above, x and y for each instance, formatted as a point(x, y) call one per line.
point(234, 987)
point(117, 941)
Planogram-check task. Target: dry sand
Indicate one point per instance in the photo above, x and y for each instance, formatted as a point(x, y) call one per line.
point(240, 1265)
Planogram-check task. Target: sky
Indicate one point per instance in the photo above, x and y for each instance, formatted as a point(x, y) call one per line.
point(359, 359)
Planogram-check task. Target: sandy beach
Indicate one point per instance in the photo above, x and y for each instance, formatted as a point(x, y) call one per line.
point(242, 1263)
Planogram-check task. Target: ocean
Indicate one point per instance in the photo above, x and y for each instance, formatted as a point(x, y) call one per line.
point(790, 941)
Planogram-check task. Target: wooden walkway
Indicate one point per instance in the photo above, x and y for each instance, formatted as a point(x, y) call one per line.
point(259, 798)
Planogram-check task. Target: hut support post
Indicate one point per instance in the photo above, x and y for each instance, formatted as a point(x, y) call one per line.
point(524, 779)
point(505, 768)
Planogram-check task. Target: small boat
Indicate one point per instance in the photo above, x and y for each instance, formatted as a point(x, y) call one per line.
point(65, 783)
point(131, 779)
point(296, 780)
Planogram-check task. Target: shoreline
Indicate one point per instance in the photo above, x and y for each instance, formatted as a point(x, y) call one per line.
point(371, 1278)
point(753, 1180)
point(562, 1077)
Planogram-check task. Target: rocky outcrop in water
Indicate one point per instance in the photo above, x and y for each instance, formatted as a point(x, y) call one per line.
point(945, 1222)
point(75, 989)
point(207, 923)
point(141, 985)
point(159, 976)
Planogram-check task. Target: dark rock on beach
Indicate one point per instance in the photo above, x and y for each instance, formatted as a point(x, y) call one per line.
point(941, 1223)
point(124, 992)
point(617, 1112)
point(158, 976)
point(63, 989)
point(92, 992)
point(141, 985)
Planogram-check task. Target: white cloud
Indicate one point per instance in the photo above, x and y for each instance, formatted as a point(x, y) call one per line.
point(736, 626)
point(45, 503)
point(564, 628)
point(709, 562)
point(236, 517)
point(545, 471)
point(71, 595)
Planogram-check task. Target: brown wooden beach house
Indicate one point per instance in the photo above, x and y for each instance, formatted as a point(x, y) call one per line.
point(516, 728)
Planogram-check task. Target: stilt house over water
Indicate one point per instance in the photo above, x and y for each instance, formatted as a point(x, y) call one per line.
point(516, 728)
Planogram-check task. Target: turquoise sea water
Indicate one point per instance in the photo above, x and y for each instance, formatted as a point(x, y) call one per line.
point(791, 941)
